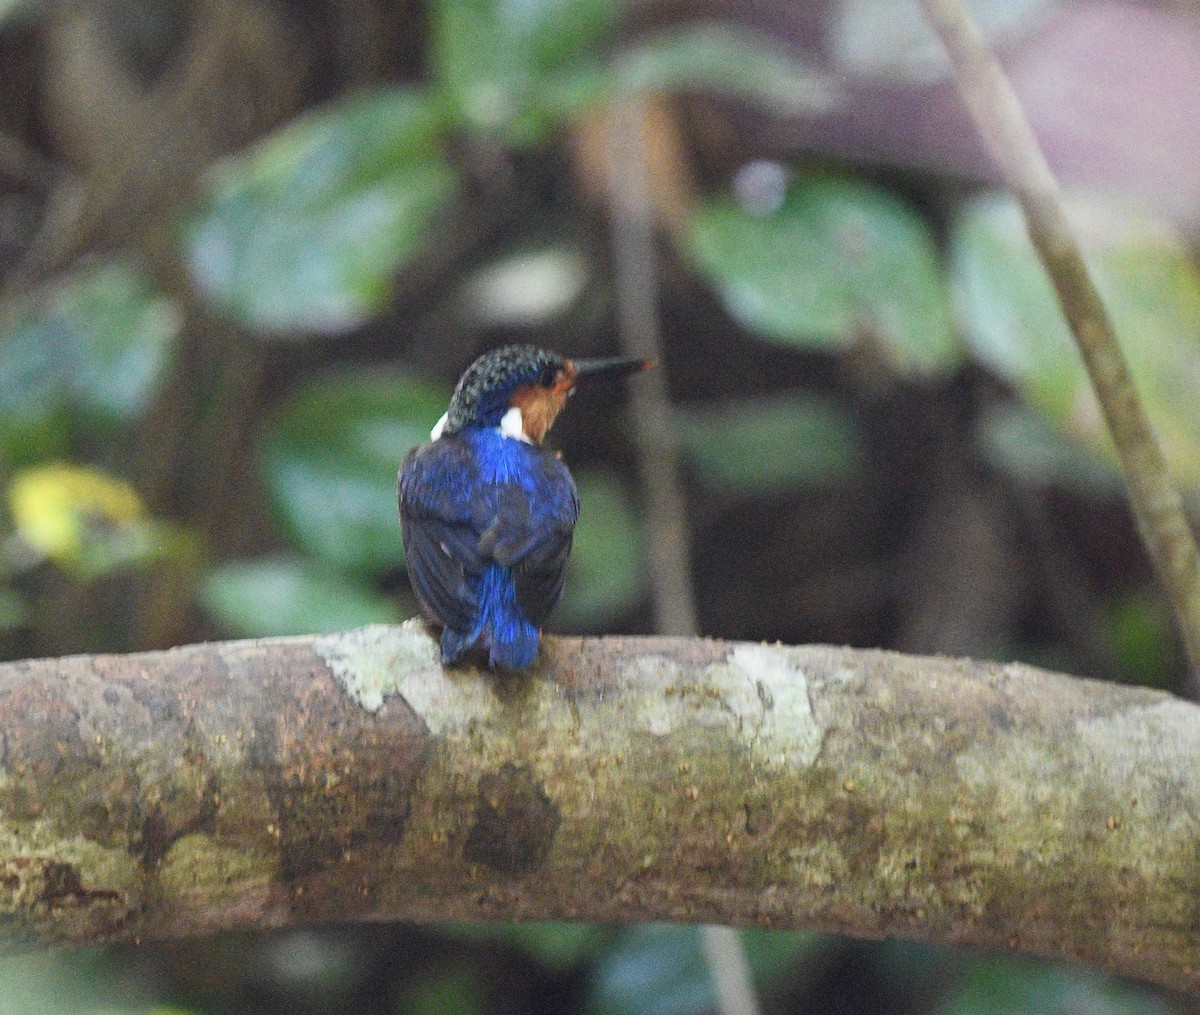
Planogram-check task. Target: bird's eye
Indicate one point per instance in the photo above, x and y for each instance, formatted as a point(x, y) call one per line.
point(547, 377)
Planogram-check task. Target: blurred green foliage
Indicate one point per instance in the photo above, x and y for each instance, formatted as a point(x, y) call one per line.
point(452, 987)
point(1150, 283)
point(1138, 627)
point(655, 969)
point(87, 522)
point(721, 59)
point(660, 969)
point(771, 444)
point(837, 263)
point(559, 947)
point(1015, 987)
point(78, 983)
point(606, 572)
point(290, 595)
point(1016, 439)
point(82, 362)
point(497, 62)
point(330, 459)
point(86, 355)
point(305, 232)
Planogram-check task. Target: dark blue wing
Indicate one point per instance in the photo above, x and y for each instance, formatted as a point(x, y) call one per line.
point(440, 538)
point(462, 512)
point(531, 530)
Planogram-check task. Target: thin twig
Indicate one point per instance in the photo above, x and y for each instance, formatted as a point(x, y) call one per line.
point(729, 969)
point(657, 440)
point(1005, 130)
point(654, 430)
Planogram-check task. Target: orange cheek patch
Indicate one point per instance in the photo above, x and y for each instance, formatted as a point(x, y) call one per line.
point(539, 408)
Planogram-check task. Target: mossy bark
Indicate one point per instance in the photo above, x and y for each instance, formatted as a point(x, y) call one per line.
point(348, 777)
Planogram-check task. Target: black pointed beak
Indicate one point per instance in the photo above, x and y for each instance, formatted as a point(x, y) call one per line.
point(590, 369)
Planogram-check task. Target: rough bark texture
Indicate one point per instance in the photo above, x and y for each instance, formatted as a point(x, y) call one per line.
point(347, 777)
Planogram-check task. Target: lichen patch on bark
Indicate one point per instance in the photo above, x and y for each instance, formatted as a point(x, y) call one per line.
point(367, 662)
point(775, 687)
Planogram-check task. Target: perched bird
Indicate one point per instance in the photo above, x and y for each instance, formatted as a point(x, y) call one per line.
point(488, 513)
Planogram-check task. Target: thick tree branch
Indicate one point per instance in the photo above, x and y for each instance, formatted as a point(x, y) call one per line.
point(1156, 504)
point(347, 777)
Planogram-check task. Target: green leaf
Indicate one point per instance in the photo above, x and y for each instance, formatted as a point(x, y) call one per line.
point(95, 346)
point(1018, 987)
point(771, 444)
point(1150, 284)
point(837, 263)
point(706, 57)
point(138, 545)
point(559, 947)
point(331, 459)
point(496, 59)
point(1137, 624)
point(85, 982)
point(285, 595)
point(772, 953)
point(35, 422)
point(11, 8)
point(123, 334)
point(606, 572)
point(13, 610)
point(305, 231)
point(1016, 440)
point(724, 59)
point(452, 987)
point(660, 969)
point(653, 969)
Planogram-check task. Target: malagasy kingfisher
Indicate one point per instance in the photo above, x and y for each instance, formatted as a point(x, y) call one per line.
point(488, 513)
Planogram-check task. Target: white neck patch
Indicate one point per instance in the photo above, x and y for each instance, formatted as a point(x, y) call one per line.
point(439, 426)
point(512, 425)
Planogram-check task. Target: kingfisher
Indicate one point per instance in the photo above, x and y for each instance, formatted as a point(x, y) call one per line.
point(487, 512)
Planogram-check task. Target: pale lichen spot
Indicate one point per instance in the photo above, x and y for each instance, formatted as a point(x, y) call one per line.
point(787, 729)
point(449, 701)
point(656, 710)
point(370, 661)
point(1135, 748)
point(843, 675)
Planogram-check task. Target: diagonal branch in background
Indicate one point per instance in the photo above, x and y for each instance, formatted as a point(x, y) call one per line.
point(348, 777)
point(1002, 124)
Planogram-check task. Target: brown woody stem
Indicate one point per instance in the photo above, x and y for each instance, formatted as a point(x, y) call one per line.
point(348, 777)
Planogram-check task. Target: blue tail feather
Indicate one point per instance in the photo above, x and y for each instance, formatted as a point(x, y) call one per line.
point(512, 640)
